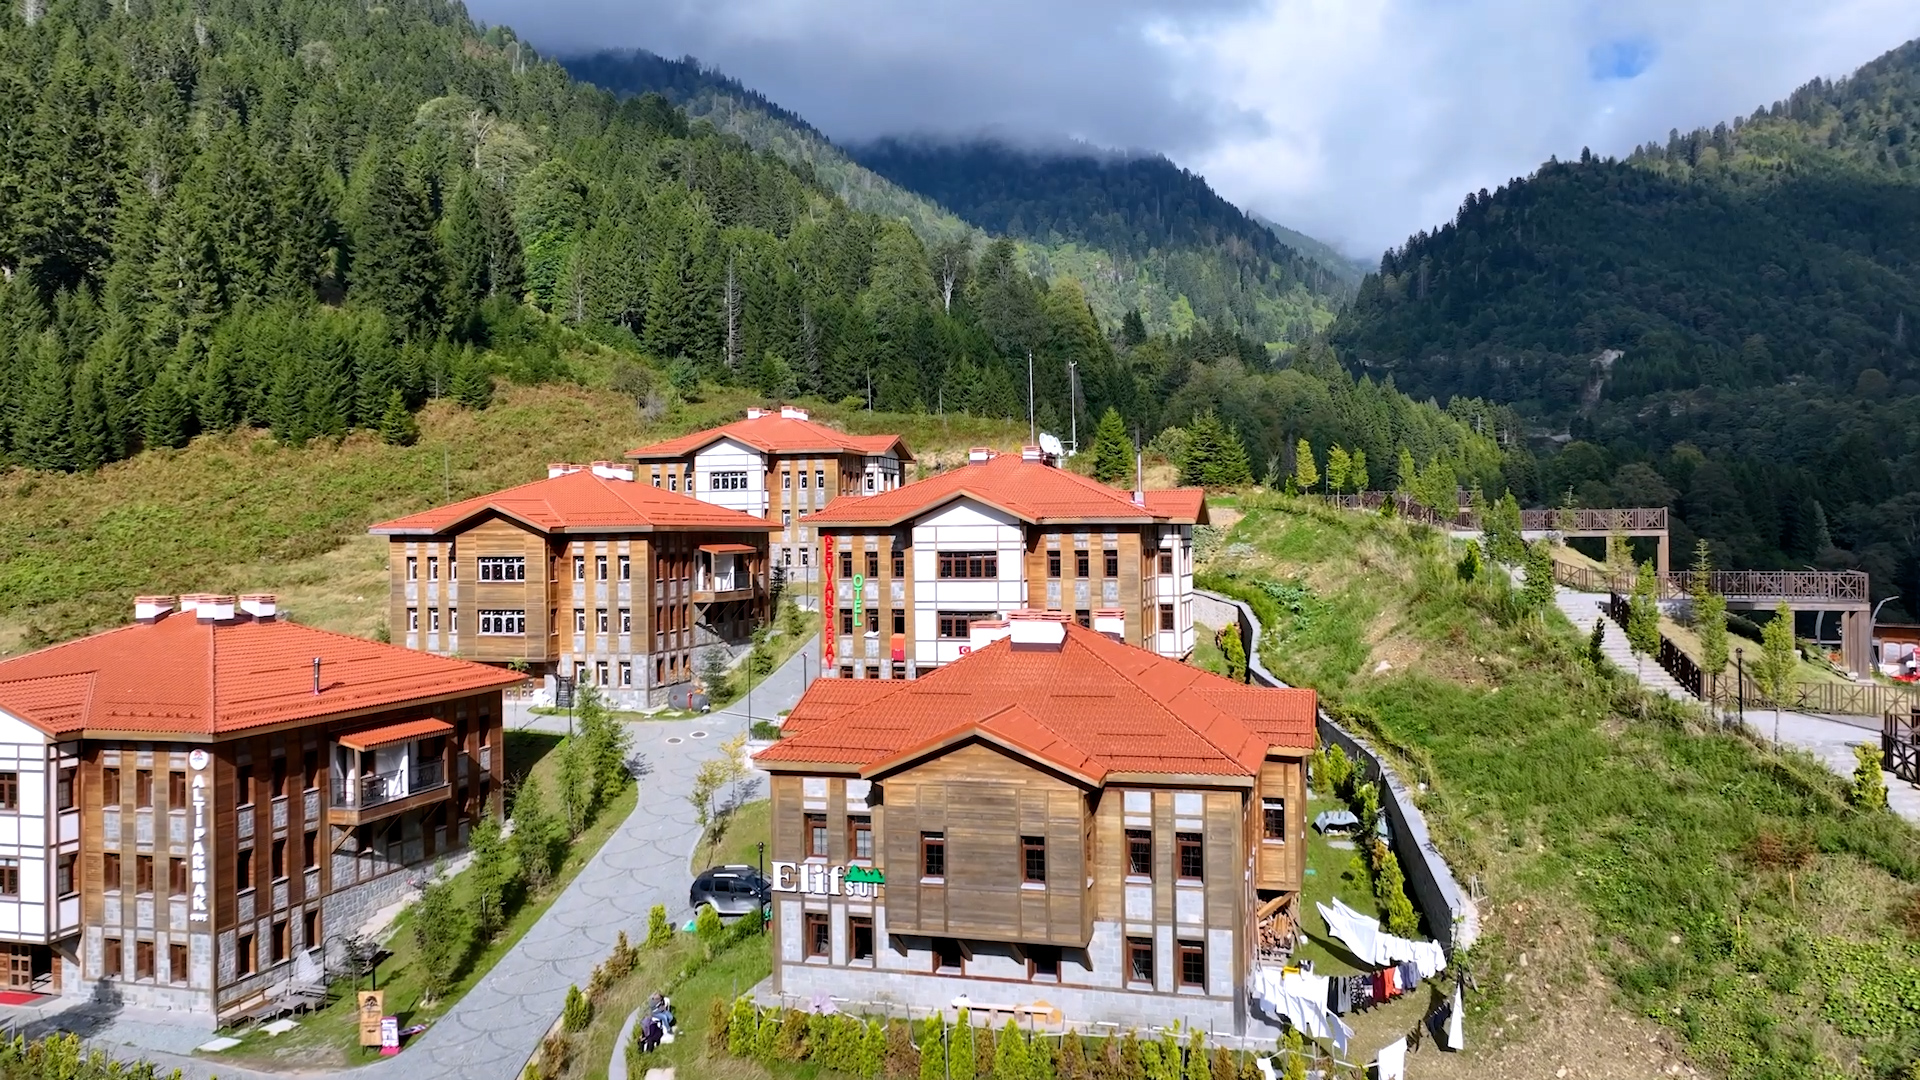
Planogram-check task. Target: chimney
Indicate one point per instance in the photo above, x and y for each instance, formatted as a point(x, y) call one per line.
point(791, 412)
point(560, 468)
point(1038, 629)
point(316, 676)
point(978, 454)
point(607, 470)
point(151, 609)
point(1139, 479)
point(1111, 622)
point(755, 414)
point(190, 602)
point(1032, 453)
point(984, 632)
point(214, 608)
point(263, 607)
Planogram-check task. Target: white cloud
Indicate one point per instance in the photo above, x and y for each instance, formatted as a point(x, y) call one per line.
point(1359, 121)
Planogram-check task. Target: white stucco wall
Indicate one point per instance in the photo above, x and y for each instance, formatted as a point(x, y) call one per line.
point(963, 525)
point(728, 456)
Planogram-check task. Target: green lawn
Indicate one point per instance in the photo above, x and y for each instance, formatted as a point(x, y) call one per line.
point(1206, 655)
point(734, 839)
point(1330, 876)
point(330, 1038)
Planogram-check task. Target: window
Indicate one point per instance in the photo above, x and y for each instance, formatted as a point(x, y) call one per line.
point(243, 955)
point(143, 959)
point(176, 790)
point(869, 481)
point(873, 565)
point(955, 625)
point(786, 518)
point(454, 615)
point(860, 938)
point(176, 877)
point(803, 479)
point(282, 941)
point(279, 857)
point(1193, 965)
point(110, 871)
point(873, 620)
point(673, 482)
point(1166, 616)
point(1193, 864)
point(312, 851)
point(579, 568)
point(310, 770)
point(819, 479)
point(626, 673)
point(1083, 618)
point(143, 873)
point(63, 790)
point(579, 620)
point(1140, 960)
point(873, 671)
point(502, 623)
point(626, 620)
point(626, 568)
point(413, 568)
point(819, 937)
point(9, 791)
point(9, 877)
point(1080, 563)
point(860, 836)
point(280, 776)
point(816, 836)
point(969, 564)
point(177, 963)
point(1043, 962)
point(1033, 859)
point(933, 855)
point(63, 875)
point(1274, 814)
point(805, 554)
point(110, 958)
point(1166, 562)
point(242, 784)
point(1053, 563)
point(110, 791)
point(413, 619)
point(600, 673)
point(1139, 853)
point(433, 568)
point(947, 955)
point(600, 617)
point(1110, 563)
point(846, 565)
point(502, 567)
point(899, 563)
point(243, 869)
point(728, 481)
point(600, 568)
point(433, 620)
point(310, 923)
point(846, 620)
point(786, 481)
point(899, 621)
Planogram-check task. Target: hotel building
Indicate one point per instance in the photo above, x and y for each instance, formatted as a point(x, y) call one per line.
point(778, 465)
point(194, 806)
point(910, 570)
point(587, 574)
point(1058, 817)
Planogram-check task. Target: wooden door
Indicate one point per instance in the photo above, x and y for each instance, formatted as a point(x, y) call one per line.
point(20, 967)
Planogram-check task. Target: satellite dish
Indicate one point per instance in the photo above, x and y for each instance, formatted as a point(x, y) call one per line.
point(1050, 445)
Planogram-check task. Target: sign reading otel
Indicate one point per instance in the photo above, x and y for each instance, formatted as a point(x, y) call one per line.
point(818, 879)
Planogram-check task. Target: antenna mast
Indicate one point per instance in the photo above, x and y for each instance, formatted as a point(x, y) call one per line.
point(1033, 432)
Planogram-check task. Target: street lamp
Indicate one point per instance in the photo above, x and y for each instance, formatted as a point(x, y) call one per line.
point(1740, 691)
point(761, 846)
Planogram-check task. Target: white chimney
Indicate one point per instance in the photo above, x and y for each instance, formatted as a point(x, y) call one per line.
point(978, 454)
point(190, 602)
point(262, 606)
point(755, 414)
point(1032, 453)
point(1039, 629)
point(607, 470)
point(214, 608)
point(560, 468)
point(984, 632)
point(790, 412)
point(1111, 622)
point(151, 609)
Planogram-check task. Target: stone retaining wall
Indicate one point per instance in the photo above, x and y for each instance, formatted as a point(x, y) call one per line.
point(1450, 913)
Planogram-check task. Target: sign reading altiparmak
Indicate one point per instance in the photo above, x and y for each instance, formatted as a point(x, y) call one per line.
point(197, 865)
point(818, 879)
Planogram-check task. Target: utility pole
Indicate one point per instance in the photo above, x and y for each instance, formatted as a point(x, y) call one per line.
point(1033, 431)
point(1073, 401)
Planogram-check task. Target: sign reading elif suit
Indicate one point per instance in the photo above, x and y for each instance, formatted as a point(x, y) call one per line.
point(818, 879)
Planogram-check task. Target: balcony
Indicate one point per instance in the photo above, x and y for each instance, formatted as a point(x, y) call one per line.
point(721, 573)
point(380, 795)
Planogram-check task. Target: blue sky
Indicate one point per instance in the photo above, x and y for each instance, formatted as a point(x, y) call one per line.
point(1357, 121)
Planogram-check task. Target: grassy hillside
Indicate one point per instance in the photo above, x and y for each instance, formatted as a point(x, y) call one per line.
point(1628, 851)
point(240, 511)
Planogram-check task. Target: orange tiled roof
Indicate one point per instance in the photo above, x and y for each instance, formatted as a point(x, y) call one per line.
point(1091, 707)
point(773, 433)
point(581, 502)
point(1030, 490)
point(180, 676)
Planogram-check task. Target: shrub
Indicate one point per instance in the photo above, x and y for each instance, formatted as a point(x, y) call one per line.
point(719, 1019)
point(766, 1038)
point(983, 1046)
point(556, 1050)
point(1010, 1057)
point(933, 1051)
point(872, 1054)
point(1293, 1051)
point(1869, 788)
point(1468, 567)
point(439, 932)
point(960, 1050)
point(901, 1060)
point(793, 1035)
point(1198, 1067)
point(1597, 644)
point(659, 930)
point(1223, 1067)
point(1906, 915)
point(742, 1025)
point(708, 927)
point(578, 1011)
point(1132, 1061)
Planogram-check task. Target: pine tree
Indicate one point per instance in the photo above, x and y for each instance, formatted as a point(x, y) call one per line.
point(439, 927)
point(166, 417)
point(1011, 1060)
point(1339, 465)
point(1537, 594)
point(1406, 476)
point(1305, 474)
point(1778, 670)
point(933, 1050)
point(490, 874)
point(92, 440)
point(472, 385)
point(1709, 616)
point(961, 1060)
point(1112, 450)
point(1643, 615)
point(397, 426)
point(304, 220)
point(43, 432)
point(396, 258)
point(1357, 471)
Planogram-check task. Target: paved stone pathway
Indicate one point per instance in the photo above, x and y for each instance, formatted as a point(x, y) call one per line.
point(1583, 608)
point(492, 1031)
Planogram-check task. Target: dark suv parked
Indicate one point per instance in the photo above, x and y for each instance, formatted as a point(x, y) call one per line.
point(730, 890)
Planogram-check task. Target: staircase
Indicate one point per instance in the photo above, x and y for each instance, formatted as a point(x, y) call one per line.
point(1582, 609)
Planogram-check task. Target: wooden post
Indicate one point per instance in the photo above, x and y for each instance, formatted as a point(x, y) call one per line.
point(1660, 560)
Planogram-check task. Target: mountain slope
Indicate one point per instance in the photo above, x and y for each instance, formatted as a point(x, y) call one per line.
point(1348, 269)
point(1734, 315)
point(1263, 298)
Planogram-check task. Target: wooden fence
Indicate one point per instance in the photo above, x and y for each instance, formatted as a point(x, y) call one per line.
point(1796, 587)
point(1625, 520)
point(1825, 698)
point(1671, 658)
point(1900, 743)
